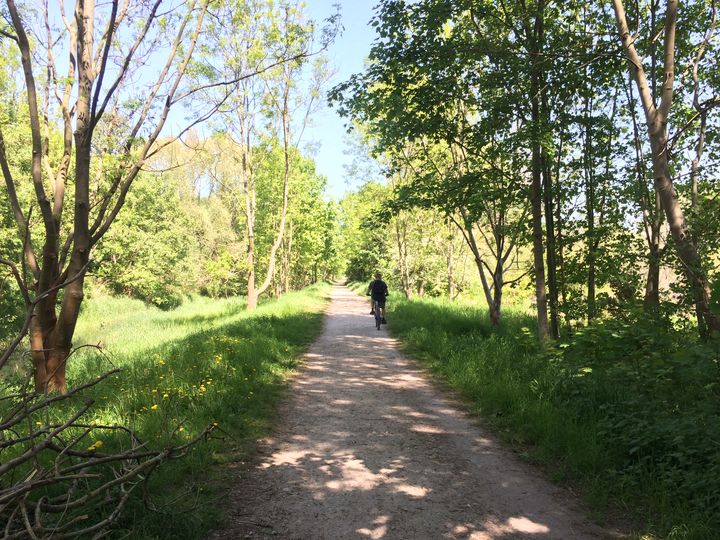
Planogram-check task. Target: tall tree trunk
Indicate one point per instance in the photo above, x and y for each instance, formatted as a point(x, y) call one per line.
point(651, 300)
point(657, 118)
point(536, 88)
point(652, 217)
point(493, 293)
point(590, 242)
point(450, 261)
point(58, 331)
point(250, 213)
point(561, 264)
point(401, 242)
point(551, 247)
point(287, 257)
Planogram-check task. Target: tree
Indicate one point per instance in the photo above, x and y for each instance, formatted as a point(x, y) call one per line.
point(106, 49)
point(656, 117)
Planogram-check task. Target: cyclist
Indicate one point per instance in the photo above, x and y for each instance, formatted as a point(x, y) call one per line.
point(378, 291)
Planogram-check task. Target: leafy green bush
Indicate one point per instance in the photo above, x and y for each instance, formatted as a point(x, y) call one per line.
point(145, 253)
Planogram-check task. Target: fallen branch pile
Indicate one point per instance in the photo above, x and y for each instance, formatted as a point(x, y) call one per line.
point(55, 482)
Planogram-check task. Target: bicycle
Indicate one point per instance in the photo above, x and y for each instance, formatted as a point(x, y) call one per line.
point(378, 314)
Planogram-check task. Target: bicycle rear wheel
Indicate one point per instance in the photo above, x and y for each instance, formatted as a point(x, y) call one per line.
point(378, 314)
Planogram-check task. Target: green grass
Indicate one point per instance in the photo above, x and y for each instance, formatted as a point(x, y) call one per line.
point(629, 413)
point(206, 362)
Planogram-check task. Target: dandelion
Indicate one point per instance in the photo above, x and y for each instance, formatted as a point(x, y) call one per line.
point(38, 423)
point(154, 407)
point(94, 446)
point(165, 396)
point(161, 362)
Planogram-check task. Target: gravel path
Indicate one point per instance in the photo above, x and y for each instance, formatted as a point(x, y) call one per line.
point(367, 447)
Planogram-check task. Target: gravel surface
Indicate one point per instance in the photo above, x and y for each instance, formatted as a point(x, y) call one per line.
point(367, 447)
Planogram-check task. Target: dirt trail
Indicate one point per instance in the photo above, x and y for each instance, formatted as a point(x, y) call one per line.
point(367, 447)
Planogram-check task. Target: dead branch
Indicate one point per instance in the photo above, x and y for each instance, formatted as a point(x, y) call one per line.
point(59, 489)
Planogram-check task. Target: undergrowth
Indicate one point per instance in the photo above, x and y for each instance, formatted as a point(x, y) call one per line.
point(208, 362)
point(630, 412)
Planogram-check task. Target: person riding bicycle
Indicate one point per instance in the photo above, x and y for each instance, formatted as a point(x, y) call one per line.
point(378, 291)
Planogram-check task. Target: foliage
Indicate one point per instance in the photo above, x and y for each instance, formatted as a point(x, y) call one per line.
point(145, 257)
point(365, 232)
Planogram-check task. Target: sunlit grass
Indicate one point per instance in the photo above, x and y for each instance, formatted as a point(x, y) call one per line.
point(207, 363)
point(627, 418)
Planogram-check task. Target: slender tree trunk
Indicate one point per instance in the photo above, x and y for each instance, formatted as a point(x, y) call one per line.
point(401, 242)
point(536, 88)
point(590, 212)
point(250, 211)
point(652, 217)
point(551, 248)
point(287, 256)
point(561, 264)
point(493, 293)
point(450, 262)
point(651, 301)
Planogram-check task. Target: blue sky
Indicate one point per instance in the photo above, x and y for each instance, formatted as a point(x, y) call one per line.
point(346, 56)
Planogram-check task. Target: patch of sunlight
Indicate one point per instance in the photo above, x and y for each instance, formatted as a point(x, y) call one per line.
point(512, 526)
point(355, 476)
point(379, 531)
point(288, 457)
point(425, 428)
point(411, 491)
point(525, 525)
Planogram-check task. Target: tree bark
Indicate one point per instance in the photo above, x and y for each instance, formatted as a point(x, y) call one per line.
point(551, 247)
point(401, 242)
point(536, 88)
point(450, 261)
point(590, 241)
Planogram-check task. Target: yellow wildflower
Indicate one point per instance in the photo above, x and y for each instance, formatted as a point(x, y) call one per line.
point(94, 446)
point(154, 407)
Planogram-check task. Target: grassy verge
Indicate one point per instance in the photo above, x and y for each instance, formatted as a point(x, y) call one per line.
point(206, 362)
point(628, 412)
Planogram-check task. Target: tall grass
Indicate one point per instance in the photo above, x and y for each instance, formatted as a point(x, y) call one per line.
point(628, 412)
point(207, 362)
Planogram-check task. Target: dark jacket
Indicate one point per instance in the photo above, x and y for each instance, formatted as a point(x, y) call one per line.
point(378, 289)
